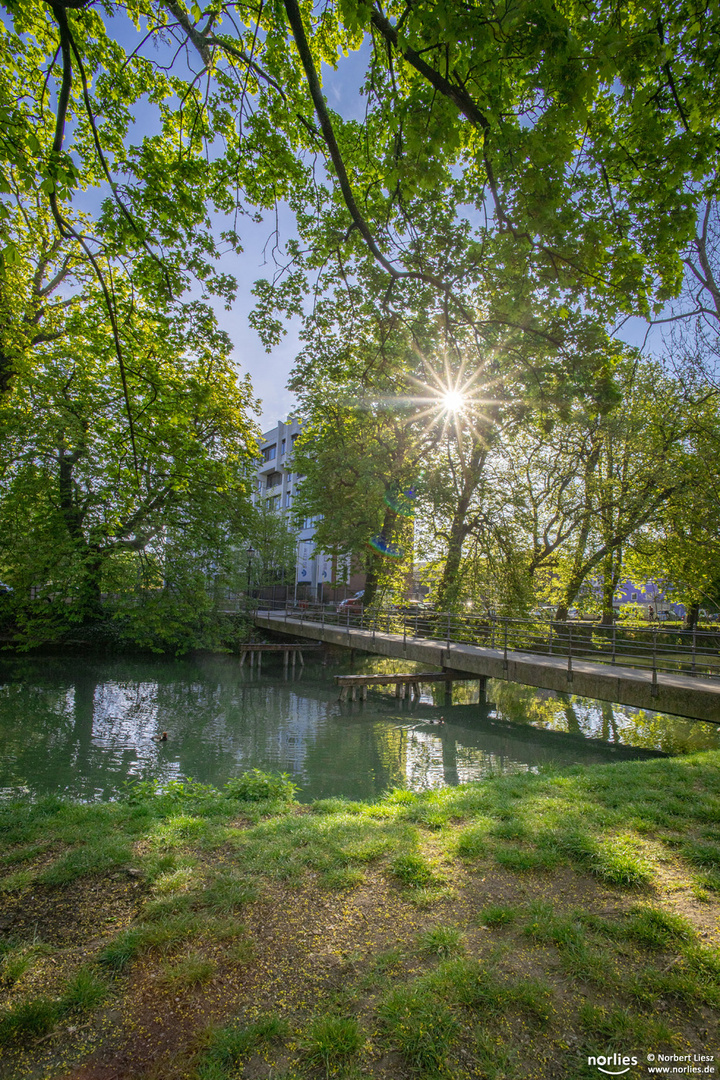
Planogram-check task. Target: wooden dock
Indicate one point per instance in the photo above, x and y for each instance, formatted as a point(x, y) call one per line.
point(407, 684)
point(257, 648)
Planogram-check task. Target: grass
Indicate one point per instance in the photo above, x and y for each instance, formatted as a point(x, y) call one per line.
point(16, 959)
point(622, 1027)
point(186, 973)
point(420, 1027)
point(331, 1040)
point(413, 870)
point(497, 915)
point(481, 989)
point(146, 937)
point(227, 1046)
point(84, 992)
point(441, 941)
point(34, 1016)
point(495, 920)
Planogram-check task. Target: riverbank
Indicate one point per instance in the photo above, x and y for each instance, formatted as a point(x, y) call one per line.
point(505, 929)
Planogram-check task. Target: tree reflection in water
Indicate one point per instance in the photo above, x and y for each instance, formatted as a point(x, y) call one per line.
point(84, 726)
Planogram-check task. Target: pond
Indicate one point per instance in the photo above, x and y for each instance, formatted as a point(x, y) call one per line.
point(84, 727)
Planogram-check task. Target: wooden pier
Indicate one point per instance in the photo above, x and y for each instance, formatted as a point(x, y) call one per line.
point(407, 684)
point(257, 648)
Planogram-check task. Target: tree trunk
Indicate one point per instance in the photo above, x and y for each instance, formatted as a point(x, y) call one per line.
point(611, 576)
point(692, 613)
point(374, 567)
point(91, 559)
point(447, 593)
point(577, 575)
point(90, 591)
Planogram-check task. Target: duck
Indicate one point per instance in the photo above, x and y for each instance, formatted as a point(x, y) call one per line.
point(160, 738)
point(440, 721)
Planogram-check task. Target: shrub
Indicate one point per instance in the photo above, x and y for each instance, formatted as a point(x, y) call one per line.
point(259, 786)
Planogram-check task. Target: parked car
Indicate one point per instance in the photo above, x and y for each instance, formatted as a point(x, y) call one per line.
point(351, 604)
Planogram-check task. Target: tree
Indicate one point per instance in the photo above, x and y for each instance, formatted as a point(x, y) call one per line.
point(583, 488)
point(274, 545)
point(581, 140)
point(681, 548)
point(517, 170)
point(81, 513)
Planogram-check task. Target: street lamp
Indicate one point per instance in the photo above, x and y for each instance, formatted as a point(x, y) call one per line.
point(249, 554)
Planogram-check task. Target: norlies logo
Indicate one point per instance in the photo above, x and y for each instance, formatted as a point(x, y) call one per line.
point(614, 1060)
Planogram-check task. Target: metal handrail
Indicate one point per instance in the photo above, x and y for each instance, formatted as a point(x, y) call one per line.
point(655, 648)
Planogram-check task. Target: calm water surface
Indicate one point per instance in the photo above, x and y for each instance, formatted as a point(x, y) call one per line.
point(84, 727)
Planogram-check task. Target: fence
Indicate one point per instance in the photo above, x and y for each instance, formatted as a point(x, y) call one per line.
point(696, 652)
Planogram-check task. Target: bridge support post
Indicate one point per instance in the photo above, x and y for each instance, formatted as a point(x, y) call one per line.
point(448, 691)
point(482, 690)
point(286, 658)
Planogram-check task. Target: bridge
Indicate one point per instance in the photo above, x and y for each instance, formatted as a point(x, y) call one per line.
point(671, 671)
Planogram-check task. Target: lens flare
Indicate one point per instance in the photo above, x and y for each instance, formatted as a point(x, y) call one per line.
point(401, 501)
point(454, 401)
point(384, 547)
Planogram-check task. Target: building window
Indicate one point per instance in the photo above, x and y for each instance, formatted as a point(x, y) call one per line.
point(633, 596)
point(273, 503)
point(288, 498)
point(274, 478)
point(282, 447)
point(269, 452)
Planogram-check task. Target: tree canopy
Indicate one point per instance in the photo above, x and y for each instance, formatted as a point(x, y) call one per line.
point(520, 178)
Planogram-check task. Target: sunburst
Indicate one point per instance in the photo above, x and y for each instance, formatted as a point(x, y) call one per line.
point(452, 400)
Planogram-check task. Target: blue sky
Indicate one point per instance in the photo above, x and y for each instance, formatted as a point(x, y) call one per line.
point(270, 372)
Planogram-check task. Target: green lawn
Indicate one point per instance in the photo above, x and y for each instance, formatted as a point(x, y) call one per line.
point(505, 929)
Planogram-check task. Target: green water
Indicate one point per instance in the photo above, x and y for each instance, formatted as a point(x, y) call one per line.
point(84, 727)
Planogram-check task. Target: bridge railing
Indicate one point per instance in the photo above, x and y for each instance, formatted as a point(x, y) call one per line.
point(656, 648)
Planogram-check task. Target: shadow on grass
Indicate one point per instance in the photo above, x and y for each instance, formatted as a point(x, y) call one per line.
point(200, 857)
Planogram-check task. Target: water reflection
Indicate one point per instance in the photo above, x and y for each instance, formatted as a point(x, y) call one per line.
point(85, 726)
point(618, 724)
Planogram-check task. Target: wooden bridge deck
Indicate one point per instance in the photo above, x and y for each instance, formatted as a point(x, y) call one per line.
point(257, 648)
point(679, 694)
point(406, 683)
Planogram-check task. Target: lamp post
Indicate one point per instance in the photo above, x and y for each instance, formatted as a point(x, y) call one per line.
point(250, 552)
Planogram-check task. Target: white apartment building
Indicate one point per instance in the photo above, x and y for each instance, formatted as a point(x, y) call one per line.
point(277, 484)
